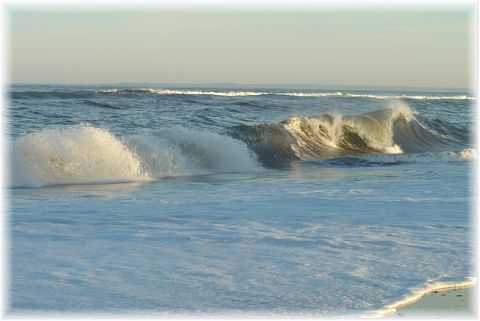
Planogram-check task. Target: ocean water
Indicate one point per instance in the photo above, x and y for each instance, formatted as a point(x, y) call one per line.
point(200, 200)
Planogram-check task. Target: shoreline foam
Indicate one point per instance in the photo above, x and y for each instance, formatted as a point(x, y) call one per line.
point(417, 294)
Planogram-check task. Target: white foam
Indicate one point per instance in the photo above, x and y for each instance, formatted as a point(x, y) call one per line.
point(200, 92)
point(84, 154)
point(73, 155)
point(467, 154)
point(107, 90)
point(373, 96)
point(301, 94)
point(413, 97)
point(180, 151)
point(242, 93)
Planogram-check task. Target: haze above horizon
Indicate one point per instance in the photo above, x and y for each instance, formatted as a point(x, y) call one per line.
point(428, 48)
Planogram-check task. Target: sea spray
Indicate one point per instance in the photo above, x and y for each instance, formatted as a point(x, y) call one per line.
point(180, 151)
point(73, 155)
point(84, 154)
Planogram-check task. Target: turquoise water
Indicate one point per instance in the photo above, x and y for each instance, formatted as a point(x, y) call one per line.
point(213, 200)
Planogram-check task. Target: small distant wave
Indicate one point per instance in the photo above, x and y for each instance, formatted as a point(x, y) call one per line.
point(412, 97)
point(68, 94)
point(181, 92)
point(100, 104)
point(382, 160)
point(85, 154)
point(382, 97)
point(49, 94)
point(393, 130)
point(238, 93)
point(360, 162)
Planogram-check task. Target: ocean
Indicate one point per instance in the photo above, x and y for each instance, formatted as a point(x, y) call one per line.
point(213, 200)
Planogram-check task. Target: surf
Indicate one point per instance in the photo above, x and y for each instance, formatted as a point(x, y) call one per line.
point(394, 130)
point(84, 154)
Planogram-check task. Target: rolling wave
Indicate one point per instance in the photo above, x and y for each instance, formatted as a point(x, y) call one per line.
point(388, 131)
point(83, 154)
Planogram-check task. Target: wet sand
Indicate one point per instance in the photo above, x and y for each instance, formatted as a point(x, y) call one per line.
point(434, 299)
point(438, 303)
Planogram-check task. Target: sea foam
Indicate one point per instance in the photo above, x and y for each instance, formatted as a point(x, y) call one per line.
point(84, 154)
point(78, 154)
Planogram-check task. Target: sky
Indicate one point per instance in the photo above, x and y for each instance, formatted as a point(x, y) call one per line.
point(360, 47)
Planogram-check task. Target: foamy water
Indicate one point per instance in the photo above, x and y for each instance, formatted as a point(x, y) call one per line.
point(79, 154)
point(84, 154)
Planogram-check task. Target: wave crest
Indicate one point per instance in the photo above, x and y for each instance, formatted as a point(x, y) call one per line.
point(245, 93)
point(388, 131)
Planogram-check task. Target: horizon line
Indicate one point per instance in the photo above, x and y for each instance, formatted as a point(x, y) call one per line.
point(244, 85)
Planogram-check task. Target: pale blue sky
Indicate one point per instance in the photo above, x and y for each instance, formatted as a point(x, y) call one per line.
point(421, 48)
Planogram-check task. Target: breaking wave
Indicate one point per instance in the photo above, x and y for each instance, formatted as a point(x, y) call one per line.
point(84, 154)
point(393, 130)
point(79, 154)
point(237, 93)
